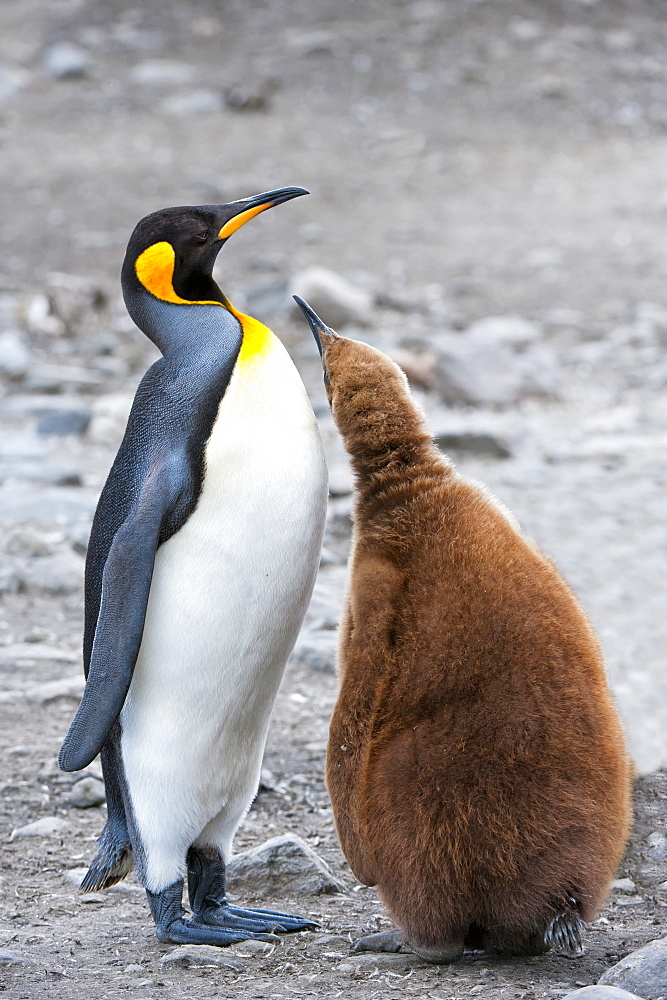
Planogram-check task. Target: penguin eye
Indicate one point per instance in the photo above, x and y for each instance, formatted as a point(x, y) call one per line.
point(203, 236)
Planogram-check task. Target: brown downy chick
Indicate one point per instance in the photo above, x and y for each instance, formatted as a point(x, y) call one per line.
point(476, 763)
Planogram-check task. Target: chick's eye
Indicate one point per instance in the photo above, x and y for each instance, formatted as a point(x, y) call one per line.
point(203, 236)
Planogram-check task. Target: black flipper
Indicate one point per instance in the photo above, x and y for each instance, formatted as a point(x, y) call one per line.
point(126, 582)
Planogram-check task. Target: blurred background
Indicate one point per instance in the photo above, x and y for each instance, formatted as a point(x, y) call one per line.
point(488, 203)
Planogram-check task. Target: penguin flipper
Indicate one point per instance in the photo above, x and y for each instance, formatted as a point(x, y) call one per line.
point(126, 582)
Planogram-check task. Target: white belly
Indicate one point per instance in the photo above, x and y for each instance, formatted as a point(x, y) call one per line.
point(228, 596)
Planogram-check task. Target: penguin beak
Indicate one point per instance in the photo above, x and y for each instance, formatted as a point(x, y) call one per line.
point(237, 213)
point(323, 334)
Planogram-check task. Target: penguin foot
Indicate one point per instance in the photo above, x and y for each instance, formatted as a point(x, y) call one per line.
point(565, 935)
point(392, 941)
point(223, 914)
point(192, 932)
point(384, 941)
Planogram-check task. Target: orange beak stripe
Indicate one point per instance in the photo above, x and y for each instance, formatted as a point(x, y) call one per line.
point(241, 219)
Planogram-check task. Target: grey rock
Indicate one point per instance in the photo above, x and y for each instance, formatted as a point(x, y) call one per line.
point(12, 78)
point(197, 955)
point(42, 694)
point(49, 504)
point(283, 866)
point(317, 650)
point(64, 60)
point(61, 573)
point(40, 319)
point(249, 948)
point(251, 97)
point(87, 793)
point(514, 331)
point(643, 972)
point(336, 301)
point(31, 652)
point(14, 355)
point(474, 443)
point(192, 102)
point(657, 843)
point(109, 418)
point(10, 958)
point(10, 579)
point(623, 885)
point(62, 423)
point(162, 73)
point(601, 993)
point(47, 826)
point(61, 378)
point(126, 887)
point(478, 371)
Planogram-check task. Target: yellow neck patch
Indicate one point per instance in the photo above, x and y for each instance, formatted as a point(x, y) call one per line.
point(155, 270)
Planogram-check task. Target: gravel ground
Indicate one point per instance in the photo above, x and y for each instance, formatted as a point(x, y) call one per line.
point(467, 161)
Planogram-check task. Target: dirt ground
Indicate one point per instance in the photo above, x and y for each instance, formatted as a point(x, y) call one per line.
point(466, 159)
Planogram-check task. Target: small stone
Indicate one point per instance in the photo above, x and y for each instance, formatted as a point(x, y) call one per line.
point(336, 301)
point(643, 972)
point(87, 793)
point(92, 897)
point(317, 650)
point(162, 73)
point(10, 958)
point(62, 423)
point(58, 574)
point(192, 102)
point(623, 885)
point(601, 993)
point(474, 443)
point(47, 826)
point(253, 97)
point(512, 330)
point(251, 947)
point(14, 355)
point(657, 843)
point(132, 969)
point(419, 367)
point(11, 80)
point(283, 866)
point(189, 955)
point(65, 61)
point(109, 419)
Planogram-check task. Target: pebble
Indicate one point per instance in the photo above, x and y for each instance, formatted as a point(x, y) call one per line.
point(657, 843)
point(192, 102)
point(251, 97)
point(188, 955)
point(601, 993)
point(47, 826)
point(316, 649)
point(87, 793)
point(282, 866)
point(479, 443)
point(251, 947)
point(42, 694)
point(623, 885)
point(109, 418)
point(61, 573)
point(65, 61)
point(514, 331)
point(49, 504)
point(161, 73)
point(14, 355)
point(62, 423)
point(10, 958)
point(11, 81)
point(419, 367)
point(643, 972)
point(336, 301)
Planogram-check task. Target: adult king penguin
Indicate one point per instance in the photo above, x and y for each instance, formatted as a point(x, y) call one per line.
point(202, 559)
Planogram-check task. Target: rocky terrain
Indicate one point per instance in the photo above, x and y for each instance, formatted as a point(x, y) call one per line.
point(488, 205)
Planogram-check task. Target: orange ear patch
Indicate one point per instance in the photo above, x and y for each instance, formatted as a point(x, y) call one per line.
point(155, 270)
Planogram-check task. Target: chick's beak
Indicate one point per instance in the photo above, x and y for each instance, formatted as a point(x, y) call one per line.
point(237, 213)
point(323, 334)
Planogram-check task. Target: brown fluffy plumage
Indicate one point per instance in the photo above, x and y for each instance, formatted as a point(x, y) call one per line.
point(476, 763)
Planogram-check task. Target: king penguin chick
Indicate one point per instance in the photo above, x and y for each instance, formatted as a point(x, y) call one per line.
point(476, 763)
point(202, 559)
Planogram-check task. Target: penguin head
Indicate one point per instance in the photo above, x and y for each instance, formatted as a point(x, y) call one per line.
point(355, 374)
point(171, 253)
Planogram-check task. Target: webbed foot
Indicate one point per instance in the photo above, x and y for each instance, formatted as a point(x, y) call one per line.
point(171, 925)
point(393, 941)
point(207, 892)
